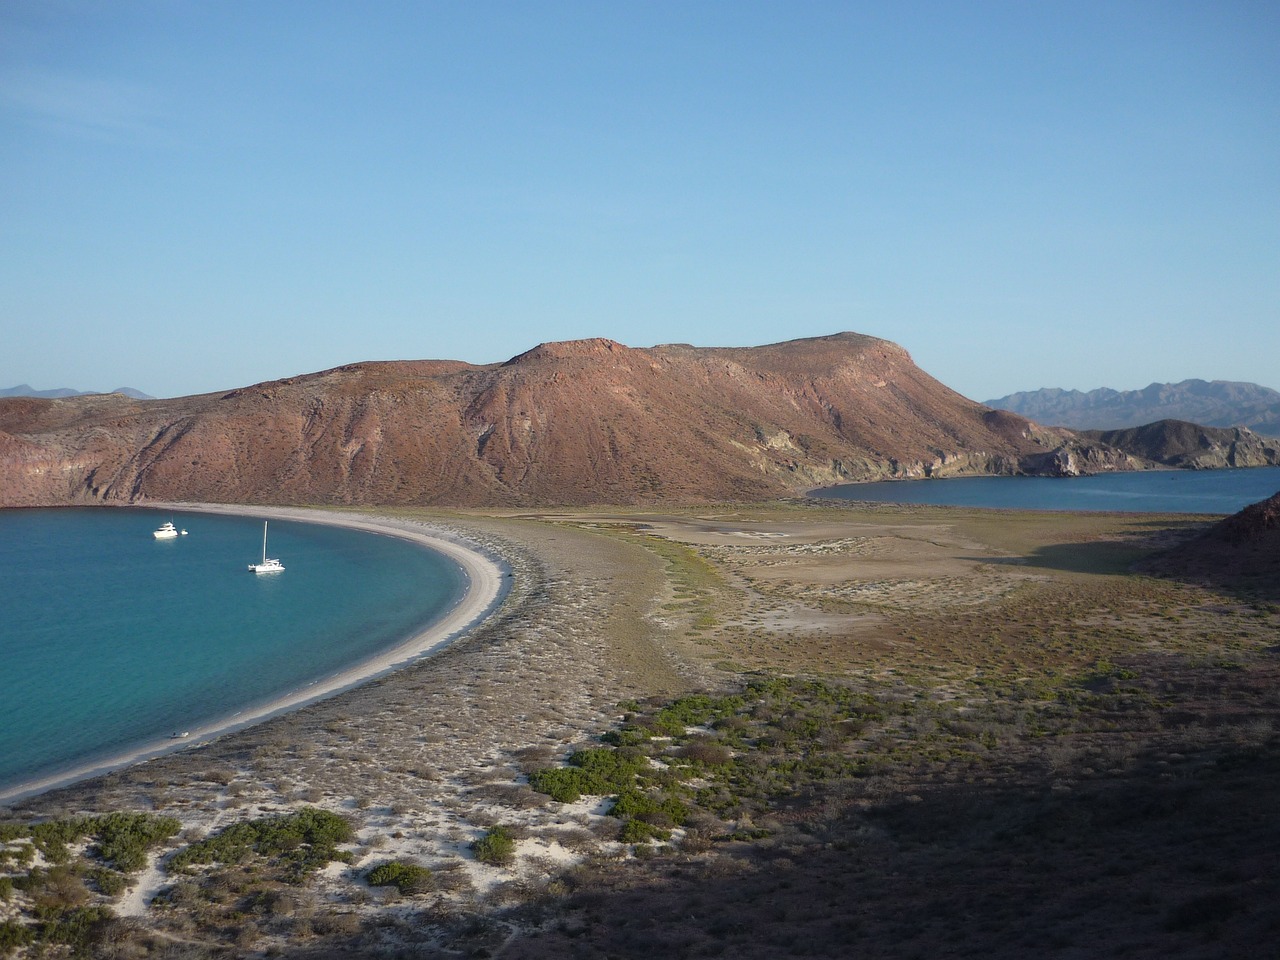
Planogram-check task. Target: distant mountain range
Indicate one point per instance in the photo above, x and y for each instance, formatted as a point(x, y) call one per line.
point(586, 421)
point(26, 390)
point(1218, 403)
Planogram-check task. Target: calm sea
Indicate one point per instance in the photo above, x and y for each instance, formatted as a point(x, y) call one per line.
point(110, 638)
point(1155, 491)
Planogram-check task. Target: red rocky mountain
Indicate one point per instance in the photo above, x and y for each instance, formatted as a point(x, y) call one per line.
point(589, 421)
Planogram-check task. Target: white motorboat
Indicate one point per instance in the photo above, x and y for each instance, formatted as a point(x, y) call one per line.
point(167, 531)
point(267, 565)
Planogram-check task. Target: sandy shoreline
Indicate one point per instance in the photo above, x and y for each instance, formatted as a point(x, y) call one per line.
point(487, 581)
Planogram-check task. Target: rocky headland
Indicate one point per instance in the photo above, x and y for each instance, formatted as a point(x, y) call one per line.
point(581, 422)
point(1177, 443)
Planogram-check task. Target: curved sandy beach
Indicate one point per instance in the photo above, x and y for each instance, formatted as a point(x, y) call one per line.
point(487, 580)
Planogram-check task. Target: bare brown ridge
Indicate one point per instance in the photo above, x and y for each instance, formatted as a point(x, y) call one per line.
point(586, 421)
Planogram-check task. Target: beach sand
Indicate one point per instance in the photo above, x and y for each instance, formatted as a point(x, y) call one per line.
point(425, 758)
point(608, 606)
point(487, 577)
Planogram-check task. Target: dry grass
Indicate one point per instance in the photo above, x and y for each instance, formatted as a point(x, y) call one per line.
point(1034, 690)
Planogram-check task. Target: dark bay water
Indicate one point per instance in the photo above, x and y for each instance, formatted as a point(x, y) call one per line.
point(1152, 491)
point(110, 638)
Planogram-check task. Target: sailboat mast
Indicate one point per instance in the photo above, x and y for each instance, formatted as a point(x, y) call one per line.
point(264, 541)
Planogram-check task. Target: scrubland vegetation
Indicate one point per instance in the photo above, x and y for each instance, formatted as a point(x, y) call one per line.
point(903, 733)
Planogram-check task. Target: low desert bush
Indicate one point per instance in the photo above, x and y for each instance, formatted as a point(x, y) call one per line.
point(408, 878)
point(497, 847)
point(300, 842)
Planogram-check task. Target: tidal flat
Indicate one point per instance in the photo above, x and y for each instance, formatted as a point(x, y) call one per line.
point(814, 729)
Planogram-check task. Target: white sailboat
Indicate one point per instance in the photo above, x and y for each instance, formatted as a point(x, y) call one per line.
point(266, 566)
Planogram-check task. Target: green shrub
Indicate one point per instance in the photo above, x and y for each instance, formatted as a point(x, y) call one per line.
point(612, 769)
point(14, 935)
point(635, 803)
point(693, 711)
point(497, 847)
point(301, 842)
point(52, 837)
point(632, 803)
point(408, 878)
point(80, 928)
point(597, 771)
point(639, 831)
point(566, 784)
point(230, 845)
point(675, 809)
point(109, 882)
point(628, 736)
point(125, 838)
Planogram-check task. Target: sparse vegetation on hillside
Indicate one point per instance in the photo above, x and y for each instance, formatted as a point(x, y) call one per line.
point(295, 844)
point(53, 871)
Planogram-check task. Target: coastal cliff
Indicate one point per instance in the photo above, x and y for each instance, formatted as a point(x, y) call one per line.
point(1177, 443)
point(588, 421)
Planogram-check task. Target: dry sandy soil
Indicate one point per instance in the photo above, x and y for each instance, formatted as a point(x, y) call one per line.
point(926, 606)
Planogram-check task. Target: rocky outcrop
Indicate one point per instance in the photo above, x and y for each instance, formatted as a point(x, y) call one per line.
point(1239, 554)
point(1079, 458)
point(1176, 443)
point(1257, 525)
point(589, 421)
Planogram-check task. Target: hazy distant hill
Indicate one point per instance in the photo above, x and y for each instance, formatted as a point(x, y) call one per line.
point(1220, 403)
point(589, 421)
point(26, 390)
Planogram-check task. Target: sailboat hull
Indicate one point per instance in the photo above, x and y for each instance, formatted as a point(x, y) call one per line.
point(267, 565)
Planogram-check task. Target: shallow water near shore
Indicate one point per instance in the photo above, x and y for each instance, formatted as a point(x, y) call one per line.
point(110, 638)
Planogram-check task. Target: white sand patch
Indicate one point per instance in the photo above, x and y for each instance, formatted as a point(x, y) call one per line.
point(583, 809)
point(552, 836)
point(144, 888)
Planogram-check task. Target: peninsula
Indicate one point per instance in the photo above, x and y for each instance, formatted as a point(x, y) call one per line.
point(684, 710)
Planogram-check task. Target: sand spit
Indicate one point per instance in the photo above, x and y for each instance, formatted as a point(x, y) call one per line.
point(426, 758)
point(487, 578)
point(610, 605)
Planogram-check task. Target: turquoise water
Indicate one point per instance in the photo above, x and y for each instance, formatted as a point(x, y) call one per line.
point(1159, 491)
point(110, 638)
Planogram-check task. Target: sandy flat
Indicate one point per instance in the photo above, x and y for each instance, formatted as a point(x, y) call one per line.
point(486, 579)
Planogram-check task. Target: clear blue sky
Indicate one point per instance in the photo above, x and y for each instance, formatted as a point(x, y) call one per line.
point(196, 196)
